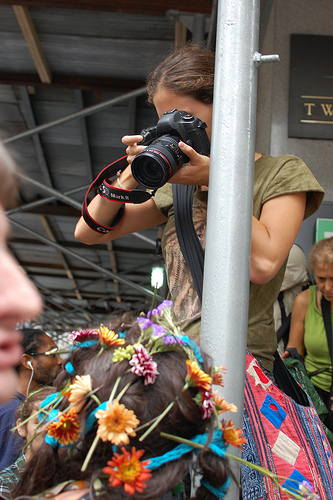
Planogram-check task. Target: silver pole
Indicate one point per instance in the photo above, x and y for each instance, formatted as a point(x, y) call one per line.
point(67, 251)
point(78, 114)
point(227, 256)
point(66, 199)
point(43, 201)
point(51, 191)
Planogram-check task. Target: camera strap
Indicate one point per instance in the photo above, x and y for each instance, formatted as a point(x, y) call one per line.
point(105, 189)
point(189, 243)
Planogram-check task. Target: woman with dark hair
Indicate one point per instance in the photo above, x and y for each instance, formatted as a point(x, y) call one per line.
point(149, 395)
point(134, 414)
point(285, 192)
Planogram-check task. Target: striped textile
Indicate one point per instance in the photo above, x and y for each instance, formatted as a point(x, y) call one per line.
point(284, 437)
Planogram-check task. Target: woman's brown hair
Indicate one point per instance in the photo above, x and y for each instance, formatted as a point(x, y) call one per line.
point(52, 466)
point(188, 71)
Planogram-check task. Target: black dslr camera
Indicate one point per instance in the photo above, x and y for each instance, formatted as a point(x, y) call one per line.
point(154, 166)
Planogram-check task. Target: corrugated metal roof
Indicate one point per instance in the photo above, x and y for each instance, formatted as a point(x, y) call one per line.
point(91, 56)
point(91, 52)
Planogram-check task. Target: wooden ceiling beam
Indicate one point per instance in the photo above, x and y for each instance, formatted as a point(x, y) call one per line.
point(30, 34)
point(72, 82)
point(62, 258)
point(57, 210)
point(74, 245)
point(148, 7)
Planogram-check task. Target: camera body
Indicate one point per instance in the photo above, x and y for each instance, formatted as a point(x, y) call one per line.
point(154, 166)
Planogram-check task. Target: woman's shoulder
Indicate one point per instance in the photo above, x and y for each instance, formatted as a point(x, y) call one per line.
point(277, 162)
point(163, 196)
point(302, 299)
point(280, 175)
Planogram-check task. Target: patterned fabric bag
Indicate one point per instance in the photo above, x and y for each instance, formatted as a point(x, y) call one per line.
point(284, 437)
point(299, 373)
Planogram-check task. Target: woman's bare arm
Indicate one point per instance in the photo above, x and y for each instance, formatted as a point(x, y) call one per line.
point(298, 315)
point(274, 234)
point(136, 217)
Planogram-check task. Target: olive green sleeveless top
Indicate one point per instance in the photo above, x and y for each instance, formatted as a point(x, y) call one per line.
point(272, 177)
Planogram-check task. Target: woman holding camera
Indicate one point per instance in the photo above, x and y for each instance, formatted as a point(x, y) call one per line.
point(285, 192)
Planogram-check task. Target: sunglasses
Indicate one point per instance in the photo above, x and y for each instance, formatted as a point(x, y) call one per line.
point(48, 353)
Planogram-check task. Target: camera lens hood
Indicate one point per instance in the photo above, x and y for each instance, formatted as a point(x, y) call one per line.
point(154, 166)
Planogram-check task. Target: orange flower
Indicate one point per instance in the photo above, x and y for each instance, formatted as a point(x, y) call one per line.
point(127, 469)
point(232, 435)
point(78, 390)
point(197, 377)
point(108, 338)
point(66, 429)
point(221, 405)
point(116, 423)
point(218, 373)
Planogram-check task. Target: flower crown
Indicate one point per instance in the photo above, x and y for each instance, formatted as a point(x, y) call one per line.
point(117, 424)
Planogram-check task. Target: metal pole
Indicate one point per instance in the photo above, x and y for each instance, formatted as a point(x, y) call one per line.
point(106, 272)
point(51, 191)
point(78, 114)
point(66, 199)
point(44, 201)
point(227, 256)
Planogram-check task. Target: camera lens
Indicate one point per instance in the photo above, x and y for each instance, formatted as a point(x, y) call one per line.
point(154, 166)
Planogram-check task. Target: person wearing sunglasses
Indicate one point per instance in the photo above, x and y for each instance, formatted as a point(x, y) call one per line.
point(38, 367)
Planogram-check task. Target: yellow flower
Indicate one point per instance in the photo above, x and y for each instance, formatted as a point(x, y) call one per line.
point(116, 423)
point(109, 338)
point(231, 435)
point(221, 405)
point(78, 390)
point(66, 429)
point(197, 377)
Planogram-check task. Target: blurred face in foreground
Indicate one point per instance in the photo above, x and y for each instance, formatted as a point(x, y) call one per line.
point(19, 301)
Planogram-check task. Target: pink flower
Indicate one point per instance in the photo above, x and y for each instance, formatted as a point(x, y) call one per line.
point(207, 404)
point(82, 335)
point(143, 364)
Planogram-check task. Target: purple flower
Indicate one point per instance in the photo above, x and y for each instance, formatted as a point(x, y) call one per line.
point(157, 311)
point(306, 490)
point(164, 305)
point(152, 313)
point(158, 330)
point(171, 340)
point(307, 485)
point(144, 322)
point(143, 364)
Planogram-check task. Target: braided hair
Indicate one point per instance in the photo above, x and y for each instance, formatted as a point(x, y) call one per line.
point(54, 465)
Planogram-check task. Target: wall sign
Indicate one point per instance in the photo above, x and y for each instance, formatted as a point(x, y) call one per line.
point(324, 229)
point(311, 87)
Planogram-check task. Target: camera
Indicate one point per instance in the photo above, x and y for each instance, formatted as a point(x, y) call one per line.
point(154, 166)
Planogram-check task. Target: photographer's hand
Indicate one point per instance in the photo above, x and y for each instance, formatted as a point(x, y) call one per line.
point(133, 148)
point(137, 217)
point(195, 172)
